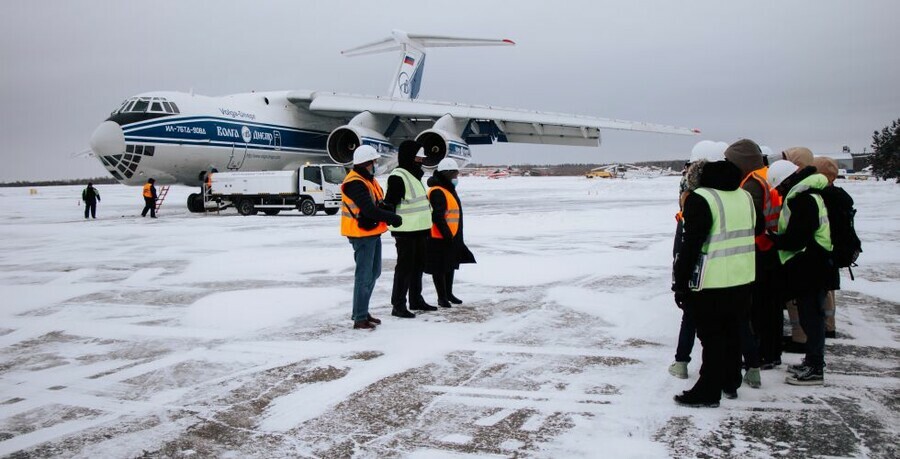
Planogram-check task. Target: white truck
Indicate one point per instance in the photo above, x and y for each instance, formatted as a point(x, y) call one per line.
point(309, 189)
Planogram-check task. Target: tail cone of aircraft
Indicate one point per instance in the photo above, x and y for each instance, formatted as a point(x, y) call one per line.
point(108, 139)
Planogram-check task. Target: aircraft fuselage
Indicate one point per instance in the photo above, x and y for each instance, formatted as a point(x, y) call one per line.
point(178, 137)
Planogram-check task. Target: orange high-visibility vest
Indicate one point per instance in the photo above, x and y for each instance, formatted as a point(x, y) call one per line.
point(451, 215)
point(350, 211)
point(148, 192)
point(771, 199)
point(771, 205)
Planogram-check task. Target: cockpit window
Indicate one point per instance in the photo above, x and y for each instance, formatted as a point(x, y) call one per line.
point(140, 106)
point(147, 105)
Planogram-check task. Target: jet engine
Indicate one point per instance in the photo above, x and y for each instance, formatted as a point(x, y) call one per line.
point(344, 140)
point(439, 143)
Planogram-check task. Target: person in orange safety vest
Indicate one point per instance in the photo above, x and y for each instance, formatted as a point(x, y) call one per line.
point(149, 194)
point(363, 222)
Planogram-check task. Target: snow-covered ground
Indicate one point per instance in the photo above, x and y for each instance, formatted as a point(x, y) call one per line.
point(229, 336)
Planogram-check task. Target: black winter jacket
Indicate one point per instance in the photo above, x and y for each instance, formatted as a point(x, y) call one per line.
point(811, 269)
point(369, 212)
point(720, 175)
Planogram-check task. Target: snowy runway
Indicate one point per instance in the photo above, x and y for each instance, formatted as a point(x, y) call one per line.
point(229, 336)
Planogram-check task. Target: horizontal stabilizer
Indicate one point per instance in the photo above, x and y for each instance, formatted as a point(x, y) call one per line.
point(399, 39)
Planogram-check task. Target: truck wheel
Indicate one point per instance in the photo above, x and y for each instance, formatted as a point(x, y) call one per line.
point(195, 202)
point(307, 206)
point(245, 207)
point(331, 211)
point(271, 211)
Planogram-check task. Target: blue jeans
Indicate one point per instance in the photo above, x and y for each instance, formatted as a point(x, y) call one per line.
point(367, 254)
point(686, 334)
point(811, 307)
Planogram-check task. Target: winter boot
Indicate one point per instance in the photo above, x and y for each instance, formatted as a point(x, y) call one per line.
point(752, 378)
point(421, 305)
point(678, 370)
point(363, 325)
point(690, 399)
point(450, 297)
point(373, 320)
point(440, 286)
point(730, 394)
point(402, 313)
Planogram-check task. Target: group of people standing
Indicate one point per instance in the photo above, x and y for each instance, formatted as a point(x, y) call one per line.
point(751, 237)
point(427, 227)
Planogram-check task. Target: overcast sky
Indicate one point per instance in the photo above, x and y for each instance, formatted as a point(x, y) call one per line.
point(817, 73)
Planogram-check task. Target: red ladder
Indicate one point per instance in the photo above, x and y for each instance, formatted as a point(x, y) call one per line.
point(163, 191)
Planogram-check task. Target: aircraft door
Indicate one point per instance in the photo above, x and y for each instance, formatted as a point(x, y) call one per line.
point(312, 179)
point(238, 153)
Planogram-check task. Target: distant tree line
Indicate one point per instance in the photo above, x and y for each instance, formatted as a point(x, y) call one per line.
point(95, 181)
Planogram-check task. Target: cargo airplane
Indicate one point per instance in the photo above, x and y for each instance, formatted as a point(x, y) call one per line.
point(178, 137)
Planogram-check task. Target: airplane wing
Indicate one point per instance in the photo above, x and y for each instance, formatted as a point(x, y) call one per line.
point(486, 124)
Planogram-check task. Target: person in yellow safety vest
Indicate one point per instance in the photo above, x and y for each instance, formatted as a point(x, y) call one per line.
point(802, 157)
point(406, 196)
point(445, 248)
point(149, 194)
point(363, 222)
point(714, 271)
point(829, 168)
point(703, 152)
point(804, 248)
point(761, 329)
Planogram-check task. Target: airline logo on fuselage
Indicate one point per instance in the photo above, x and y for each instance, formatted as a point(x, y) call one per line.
point(237, 114)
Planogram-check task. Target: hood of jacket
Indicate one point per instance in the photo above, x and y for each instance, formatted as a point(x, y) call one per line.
point(793, 179)
point(406, 158)
point(721, 175)
point(801, 156)
point(746, 155)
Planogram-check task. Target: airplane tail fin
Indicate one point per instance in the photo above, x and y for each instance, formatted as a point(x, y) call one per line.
point(408, 79)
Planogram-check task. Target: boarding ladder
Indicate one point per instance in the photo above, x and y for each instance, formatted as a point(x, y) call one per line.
point(163, 191)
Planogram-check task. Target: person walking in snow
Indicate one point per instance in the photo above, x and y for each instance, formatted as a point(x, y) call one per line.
point(149, 194)
point(91, 197)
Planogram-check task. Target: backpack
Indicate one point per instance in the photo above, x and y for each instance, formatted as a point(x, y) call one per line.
point(841, 213)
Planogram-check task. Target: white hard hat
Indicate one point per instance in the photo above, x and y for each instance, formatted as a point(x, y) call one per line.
point(780, 170)
point(765, 150)
point(708, 150)
point(364, 154)
point(421, 153)
point(447, 164)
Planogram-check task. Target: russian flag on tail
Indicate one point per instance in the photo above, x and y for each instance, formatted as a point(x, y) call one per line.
point(408, 60)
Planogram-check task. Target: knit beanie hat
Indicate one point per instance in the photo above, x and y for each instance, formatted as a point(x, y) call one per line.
point(746, 155)
point(827, 167)
point(801, 156)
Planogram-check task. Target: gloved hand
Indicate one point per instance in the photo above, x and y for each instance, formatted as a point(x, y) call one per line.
point(396, 221)
point(681, 297)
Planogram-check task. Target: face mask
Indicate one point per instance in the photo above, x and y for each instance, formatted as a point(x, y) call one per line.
point(455, 182)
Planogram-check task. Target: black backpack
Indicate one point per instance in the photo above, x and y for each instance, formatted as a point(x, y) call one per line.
point(841, 213)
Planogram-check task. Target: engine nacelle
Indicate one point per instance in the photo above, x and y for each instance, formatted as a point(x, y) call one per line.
point(343, 141)
point(439, 144)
